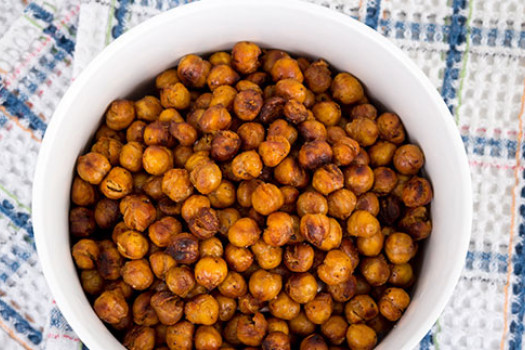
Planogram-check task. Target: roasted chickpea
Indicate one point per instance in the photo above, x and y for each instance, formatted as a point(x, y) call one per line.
point(327, 179)
point(81, 222)
point(221, 74)
point(161, 231)
point(183, 132)
point(244, 232)
point(315, 228)
point(368, 202)
point(248, 304)
point(153, 187)
point(289, 172)
point(192, 205)
point(336, 267)
point(345, 150)
point(168, 77)
point(247, 165)
point(281, 127)
point(393, 303)
point(85, 253)
point(175, 96)
point(301, 287)
point(312, 130)
point(361, 309)
point(180, 336)
point(313, 342)
point(417, 192)
point(180, 280)
point(92, 167)
point(223, 196)
point(226, 218)
point(120, 114)
point(327, 112)
point(140, 338)
point(251, 135)
point(109, 261)
point(106, 131)
point(210, 272)
point(92, 282)
point(206, 177)
point(137, 273)
point(245, 57)
point(233, 286)
point(215, 118)
point(334, 329)
point(131, 156)
point(251, 329)
point(184, 248)
point(290, 195)
point(278, 325)
point(168, 307)
point(211, 247)
point(361, 337)
point(363, 130)
point(148, 108)
point(381, 153)
point(248, 84)
point(400, 248)
point(341, 203)
point(238, 258)
point(109, 148)
point(385, 180)
point(139, 180)
point(160, 263)
point(157, 160)
point(375, 270)
point(362, 224)
point(247, 104)
point(220, 57)
point(365, 110)
point(207, 338)
point(158, 133)
point(265, 285)
point(138, 212)
point(416, 223)
point(267, 256)
point(245, 191)
point(299, 257)
point(176, 184)
point(346, 88)
point(82, 192)
point(408, 159)
point(274, 150)
point(225, 145)
point(193, 71)
point(279, 229)
point(132, 245)
point(227, 307)
point(318, 77)
point(319, 309)
point(390, 128)
point(334, 134)
point(120, 286)
point(301, 325)
point(290, 89)
point(267, 198)
point(344, 291)
point(272, 109)
point(284, 307)
point(202, 309)
point(315, 154)
point(111, 307)
point(169, 207)
point(286, 67)
point(371, 246)
point(181, 154)
point(402, 275)
point(276, 341)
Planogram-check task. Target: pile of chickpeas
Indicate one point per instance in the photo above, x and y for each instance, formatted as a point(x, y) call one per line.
point(253, 200)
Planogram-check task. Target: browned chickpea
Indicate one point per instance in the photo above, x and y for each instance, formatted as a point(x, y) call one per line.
point(193, 71)
point(81, 222)
point(347, 89)
point(362, 224)
point(176, 184)
point(327, 112)
point(92, 167)
point(344, 291)
point(391, 128)
point(181, 154)
point(251, 329)
point(244, 232)
point(290, 194)
point(311, 202)
point(153, 187)
point(215, 118)
point(301, 325)
point(175, 96)
point(137, 273)
point(248, 304)
point(192, 205)
point(336, 267)
point(301, 287)
point(286, 67)
point(184, 248)
point(206, 177)
point(400, 248)
point(169, 308)
point(381, 153)
point(225, 145)
point(227, 307)
point(82, 192)
point(207, 338)
point(281, 127)
point(169, 207)
point(363, 130)
point(223, 95)
point(238, 258)
point(210, 272)
point(247, 104)
point(132, 245)
point(385, 180)
point(247, 84)
point(416, 223)
point(272, 109)
point(267, 256)
point(92, 282)
point(368, 202)
point(233, 286)
point(348, 246)
point(278, 325)
point(303, 62)
point(109, 148)
point(283, 307)
point(223, 196)
point(408, 159)
point(361, 309)
point(161, 231)
point(315, 154)
point(160, 263)
point(120, 286)
point(274, 150)
point(315, 228)
point(361, 337)
point(105, 131)
point(375, 270)
point(202, 309)
point(295, 112)
point(402, 275)
point(245, 57)
point(279, 229)
point(299, 257)
point(183, 132)
point(417, 192)
point(120, 114)
point(362, 287)
point(341, 203)
point(168, 77)
point(131, 156)
point(267, 198)
point(245, 190)
point(157, 160)
point(276, 341)
point(312, 130)
point(393, 303)
point(111, 307)
point(139, 179)
point(365, 110)
point(138, 212)
point(270, 57)
point(334, 329)
point(211, 247)
point(109, 261)
point(362, 158)
point(148, 108)
point(318, 77)
point(313, 342)
point(180, 280)
point(85, 253)
point(251, 135)
point(345, 150)
point(180, 336)
point(221, 74)
point(291, 89)
point(158, 133)
point(265, 285)
point(289, 172)
point(226, 218)
point(327, 179)
point(371, 246)
point(140, 338)
point(319, 309)
point(220, 57)
point(135, 132)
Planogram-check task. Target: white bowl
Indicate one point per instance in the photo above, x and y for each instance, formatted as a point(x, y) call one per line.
point(137, 56)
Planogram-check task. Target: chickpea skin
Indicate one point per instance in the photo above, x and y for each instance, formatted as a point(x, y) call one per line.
point(93, 167)
point(393, 303)
point(85, 253)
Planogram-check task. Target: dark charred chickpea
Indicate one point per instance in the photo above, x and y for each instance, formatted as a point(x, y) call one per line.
point(315, 154)
point(135, 132)
point(311, 202)
point(120, 114)
point(320, 309)
point(168, 77)
point(365, 110)
point(137, 274)
point(344, 291)
point(402, 275)
point(328, 112)
point(161, 263)
point(336, 267)
point(85, 253)
point(390, 128)
point(111, 307)
point(180, 280)
point(408, 159)
point(276, 341)
point(251, 135)
point(363, 130)
point(247, 104)
point(131, 156)
point(244, 232)
point(233, 286)
point(81, 222)
point(157, 160)
point(193, 71)
point(393, 303)
point(82, 192)
point(385, 180)
point(312, 130)
point(106, 213)
point(301, 325)
point(361, 309)
point(202, 309)
point(268, 257)
point(279, 229)
point(161, 231)
point(286, 67)
point(361, 337)
point(371, 246)
point(417, 192)
point(381, 153)
point(301, 287)
point(267, 198)
point(346, 88)
point(334, 329)
point(375, 270)
point(245, 57)
point(109, 148)
point(225, 145)
point(238, 258)
point(313, 342)
point(362, 224)
point(180, 336)
point(92, 282)
point(175, 96)
point(416, 223)
point(265, 285)
point(272, 109)
point(221, 74)
point(368, 202)
point(252, 329)
point(169, 308)
point(184, 248)
point(291, 89)
point(247, 165)
point(138, 212)
point(284, 307)
point(181, 154)
point(176, 184)
point(158, 133)
point(109, 261)
point(92, 167)
point(327, 179)
point(207, 338)
point(274, 150)
point(148, 108)
point(295, 112)
point(318, 77)
point(400, 248)
point(282, 128)
point(341, 203)
point(289, 172)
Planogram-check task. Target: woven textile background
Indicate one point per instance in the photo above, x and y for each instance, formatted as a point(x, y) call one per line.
point(472, 51)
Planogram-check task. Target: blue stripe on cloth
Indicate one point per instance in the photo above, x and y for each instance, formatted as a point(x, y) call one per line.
point(373, 9)
point(37, 75)
point(3, 119)
point(22, 220)
point(427, 341)
point(456, 37)
point(487, 146)
point(120, 14)
point(58, 321)
point(17, 108)
point(39, 13)
point(488, 261)
point(20, 324)
point(61, 40)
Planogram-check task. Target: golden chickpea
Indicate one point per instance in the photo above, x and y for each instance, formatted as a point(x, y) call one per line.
point(416, 223)
point(105, 131)
point(245, 57)
point(244, 232)
point(168, 77)
point(345, 151)
point(361, 337)
point(175, 96)
point(158, 133)
point(140, 338)
point(139, 180)
point(385, 180)
point(274, 150)
point(109, 261)
point(81, 222)
point(391, 128)
point(92, 282)
point(365, 110)
point(327, 112)
point(344, 291)
point(247, 104)
point(283, 307)
point(227, 307)
point(318, 77)
point(312, 130)
point(180, 280)
point(408, 159)
point(202, 309)
point(368, 202)
point(381, 153)
point(132, 245)
point(238, 258)
point(183, 132)
point(223, 95)
point(223, 196)
point(363, 130)
point(362, 158)
point(276, 341)
point(206, 177)
point(82, 192)
point(138, 212)
point(193, 71)
point(327, 179)
point(210, 272)
point(92, 167)
point(299, 257)
point(137, 273)
point(153, 187)
point(251, 136)
point(225, 145)
point(131, 156)
point(281, 127)
point(289, 172)
point(207, 338)
point(160, 263)
point(278, 325)
point(402, 275)
point(233, 286)
point(192, 205)
point(286, 67)
point(290, 194)
point(248, 304)
point(371, 246)
point(180, 336)
point(334, 329)
point(161, 231)
point(157, 160)
point(267, 256)
point(220, 57)
point(400, 248)
point(215, 118)
point(265, 285)
point(301, 325)
point(143, 312)
point(375, 270)
point(279, 229)
point(313, 342)
point(247, 165)
point(301, 287)
point(417, 192)
point(315, 154)
point(347, 89)
point(341, 203)
point(362, 224)
point(336, 267)
point(251, 329)
point(267, 198)
point(259, 78)
point(181, 154)
point(270, 57)
point(111, 307)
point(311, 202)
point(120, 114)
point(85, 253)
point(320, 309)
point(291, 89)
point(361, 309)
point(221, 74)
point(120, 286)
point(393, 303)
point(148, 108)
point(176, 184)
point(109, 148)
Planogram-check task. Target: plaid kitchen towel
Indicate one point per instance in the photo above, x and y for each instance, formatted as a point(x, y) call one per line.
point(473, 51)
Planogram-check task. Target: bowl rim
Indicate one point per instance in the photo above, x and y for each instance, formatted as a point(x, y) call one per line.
point(45, 154)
